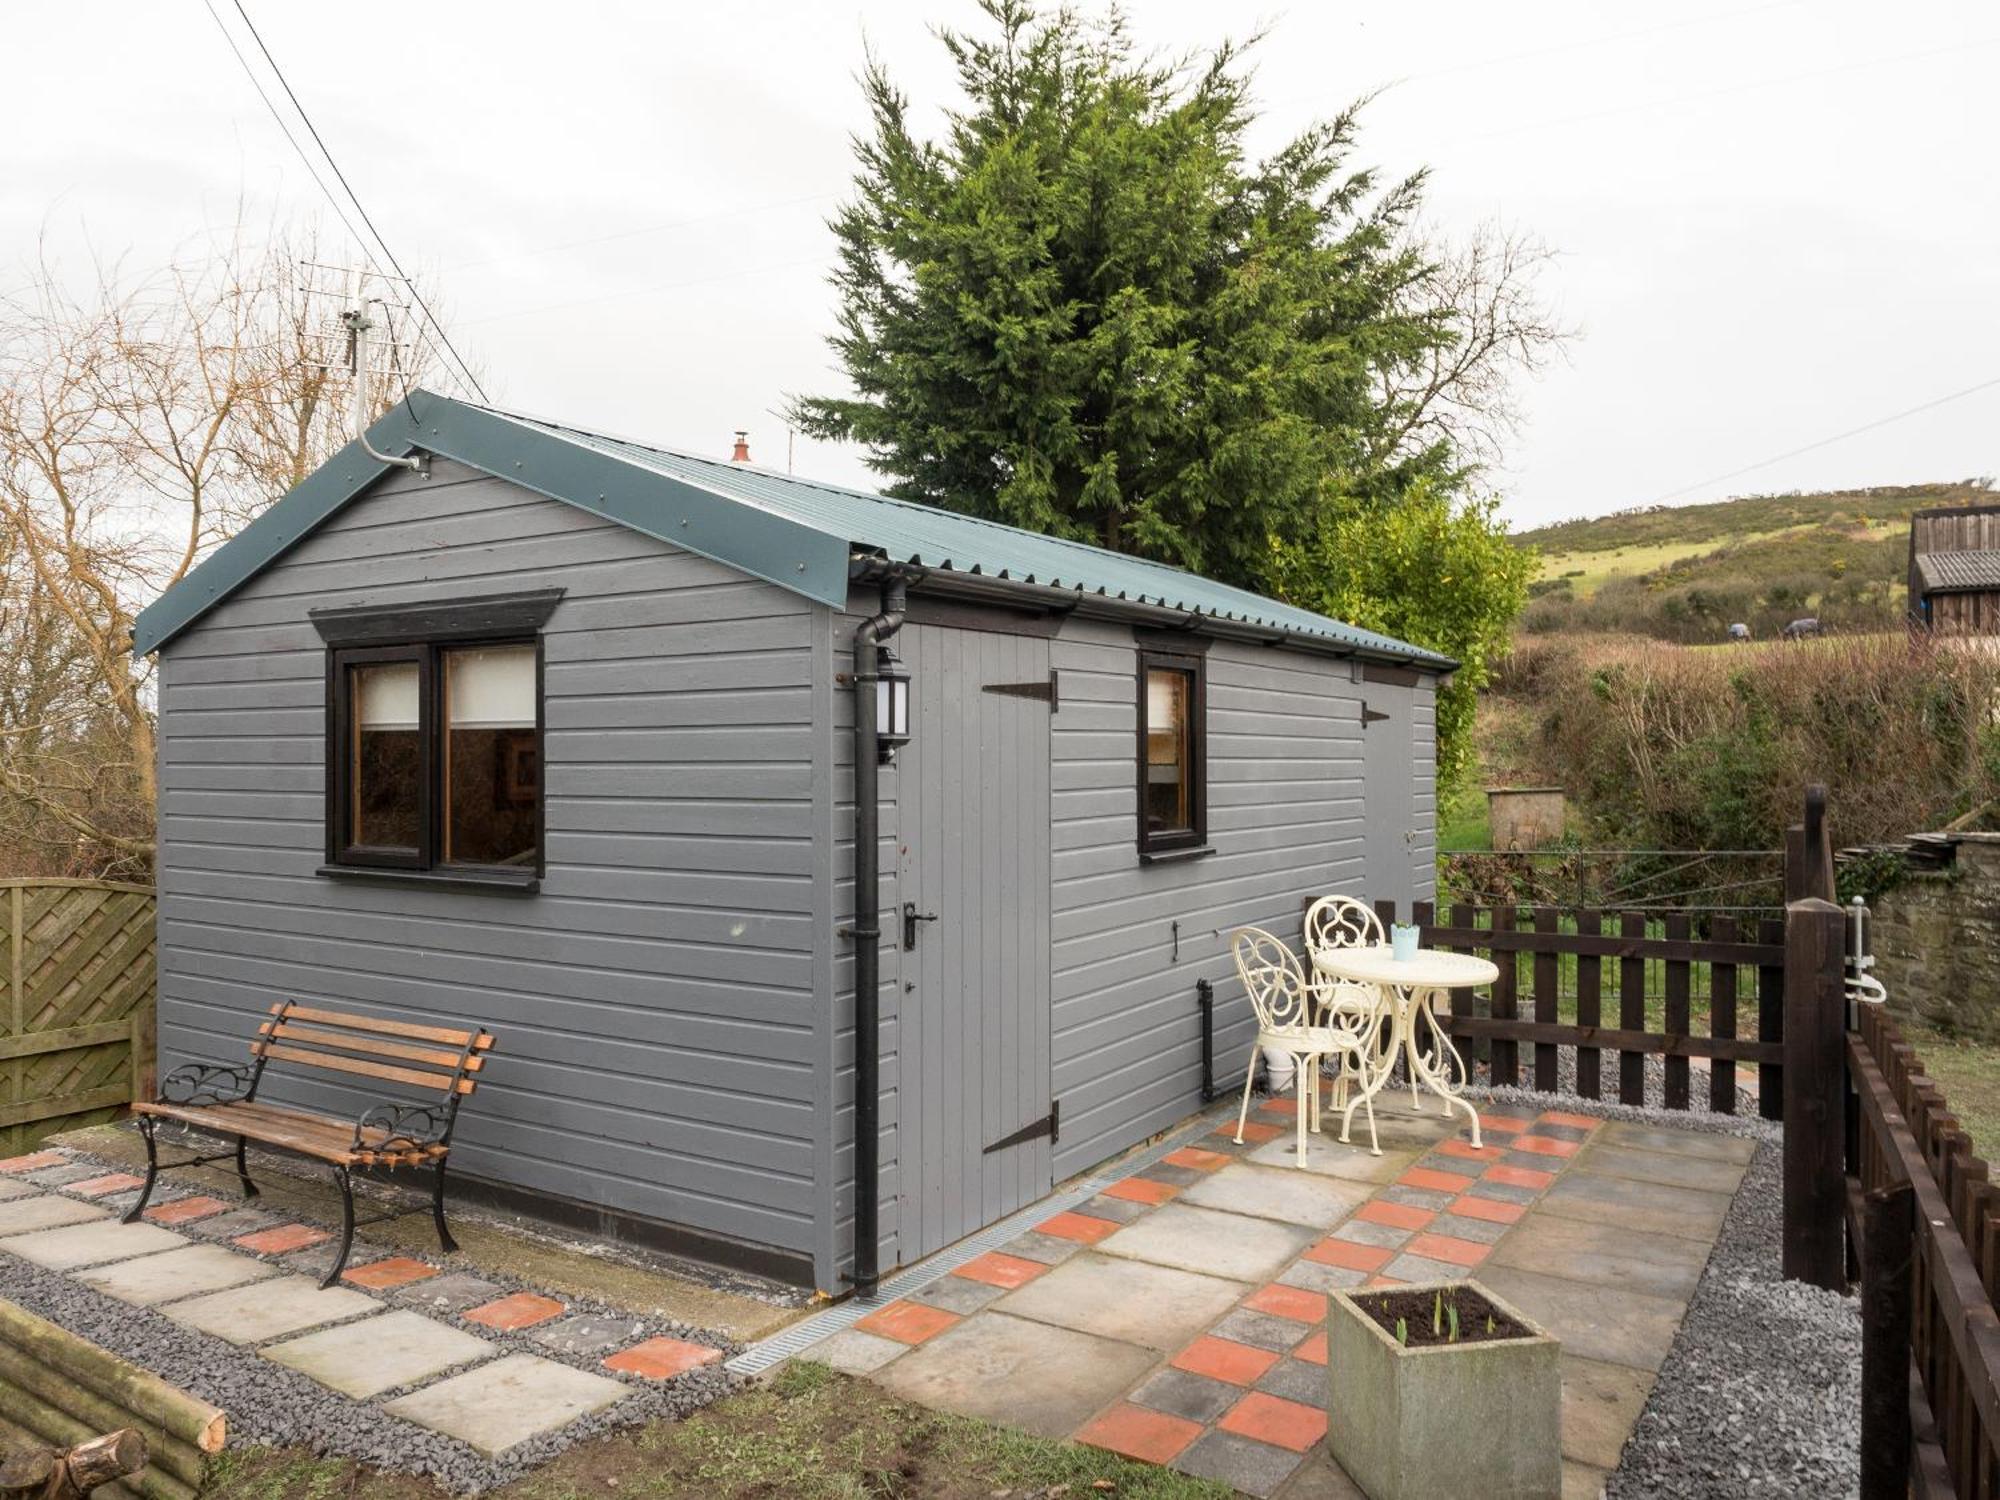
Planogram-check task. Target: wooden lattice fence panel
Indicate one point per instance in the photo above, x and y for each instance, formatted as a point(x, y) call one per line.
point(76, 1004)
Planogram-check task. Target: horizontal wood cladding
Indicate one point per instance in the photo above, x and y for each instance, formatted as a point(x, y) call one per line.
point(1130, 941)
point(656, 999)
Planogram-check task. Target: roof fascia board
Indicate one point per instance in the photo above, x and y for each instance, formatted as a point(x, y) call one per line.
point(739, 535)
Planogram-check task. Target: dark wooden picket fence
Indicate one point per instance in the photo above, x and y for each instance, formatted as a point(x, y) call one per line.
point(1630, 983)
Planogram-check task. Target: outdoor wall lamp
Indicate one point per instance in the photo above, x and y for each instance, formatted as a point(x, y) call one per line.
point(892, 705)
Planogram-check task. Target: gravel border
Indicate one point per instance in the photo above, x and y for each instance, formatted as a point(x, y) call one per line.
point(1760, 1395)
point(269, 1404)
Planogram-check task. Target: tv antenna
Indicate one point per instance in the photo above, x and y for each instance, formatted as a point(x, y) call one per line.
point(361, 314)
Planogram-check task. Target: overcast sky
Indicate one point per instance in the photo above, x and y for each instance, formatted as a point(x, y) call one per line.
point(1777, 221)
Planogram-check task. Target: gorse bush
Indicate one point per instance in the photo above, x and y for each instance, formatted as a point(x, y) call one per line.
point(1667, 748)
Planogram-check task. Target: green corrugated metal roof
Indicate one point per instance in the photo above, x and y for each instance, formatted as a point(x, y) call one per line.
point(793, 532)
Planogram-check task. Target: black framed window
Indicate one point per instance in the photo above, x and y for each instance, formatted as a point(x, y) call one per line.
point(1173, 753)
point(434, 741)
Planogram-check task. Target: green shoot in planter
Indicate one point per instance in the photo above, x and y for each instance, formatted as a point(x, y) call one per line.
point(1403, 1332)
point(1437, 1315)
point(1453, 1311)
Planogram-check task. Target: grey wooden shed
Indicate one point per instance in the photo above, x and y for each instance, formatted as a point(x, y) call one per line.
point(556, 733)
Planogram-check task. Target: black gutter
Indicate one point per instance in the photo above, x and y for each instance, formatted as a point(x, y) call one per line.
point(867, 931)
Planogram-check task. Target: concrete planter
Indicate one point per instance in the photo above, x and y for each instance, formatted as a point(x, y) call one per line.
point(1467, 1421)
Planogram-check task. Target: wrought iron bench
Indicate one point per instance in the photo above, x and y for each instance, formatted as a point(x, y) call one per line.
point(222, 1100)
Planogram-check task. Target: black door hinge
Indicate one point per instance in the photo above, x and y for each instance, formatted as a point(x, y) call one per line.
point(1041, 692)
point(1370, 716)
point(1049, 1125)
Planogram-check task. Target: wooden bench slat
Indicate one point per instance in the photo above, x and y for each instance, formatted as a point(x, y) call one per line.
point(314, 1036)
point(311, 1135)
point(481, 1041)
point(411, 1076)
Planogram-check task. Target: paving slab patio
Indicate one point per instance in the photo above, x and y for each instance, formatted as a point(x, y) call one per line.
point(1156, 1307)
point(1278, 1193)
point(1645, 1208)
point(1028, 1374)
point(503, 1404)
point(186, 1272)
point(270, 1309)
point(45, 1211)
point(90, 1243)
point(1671, 1168)
point(13, 1187)
point(1216, 1244)
point(378, 1354)
point(1596, 1322)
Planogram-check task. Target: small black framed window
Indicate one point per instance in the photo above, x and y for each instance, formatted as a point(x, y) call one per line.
point(1173, 753)
point(434, 740)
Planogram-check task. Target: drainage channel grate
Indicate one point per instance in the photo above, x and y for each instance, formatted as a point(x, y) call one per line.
point(787, 1342)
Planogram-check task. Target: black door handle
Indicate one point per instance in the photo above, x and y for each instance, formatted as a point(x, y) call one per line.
point(910, 920)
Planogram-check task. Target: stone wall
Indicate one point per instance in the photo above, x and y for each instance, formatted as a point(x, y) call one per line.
point(1937, 942)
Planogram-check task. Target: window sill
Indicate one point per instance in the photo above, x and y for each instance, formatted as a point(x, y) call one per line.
point(499, 882)
point(1174, 856)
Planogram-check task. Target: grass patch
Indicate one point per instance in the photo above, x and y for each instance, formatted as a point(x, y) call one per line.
point(810, 1434)
point(1969, 1074)
point(1463, 826)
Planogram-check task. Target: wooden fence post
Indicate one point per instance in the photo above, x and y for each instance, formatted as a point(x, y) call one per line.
point(1815, 1094)
point(1888, 1242)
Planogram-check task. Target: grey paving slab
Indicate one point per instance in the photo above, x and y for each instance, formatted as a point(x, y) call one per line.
point(1158, 1307)
point(1600, 1405)
point(1217, 1244)
point(1503, 1192)
point(1027, 1374)
point(503, 1404)
point(1701, 1143)
point(1458, 1226)
point(959, 1294)
point(1593, 1322)
point(270, 1309)
point(1182, 1393)
point(1584, 1482)
point(855, 1352)
point(1560, 1132)
point(1320, 1478)
point(1248, 1467)
point(1367, 1232)
point(1314, 1276)
point(1329, 1158)
point(1415, 1197)
point(1604, 1253)
point(1285, 1194)
point(441, 1296)
point(588, 1335)
point(316, 1260)
point(45, 1211)
point(378, 1354)
point(1260, 1330)
point(237, 1221)
point(1048, 1249)
point(1117, 1210)
point(1296, 1380)
point(14, 1187)
point(1423, 1268)
point(187, 1272)
point(1173, 1176)
point(1667, 1167)
point(90, 1244)
point(1648, 1208)
point(63, 1176)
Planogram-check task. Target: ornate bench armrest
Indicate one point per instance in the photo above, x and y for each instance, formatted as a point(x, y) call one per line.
point(204, 1083)
point(404, 1127)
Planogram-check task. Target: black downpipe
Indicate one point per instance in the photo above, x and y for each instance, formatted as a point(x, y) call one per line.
point(868, 638)
point(1204, 995)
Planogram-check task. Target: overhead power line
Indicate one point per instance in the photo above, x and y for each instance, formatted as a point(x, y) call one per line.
point(463, 369)
point(1828, 442)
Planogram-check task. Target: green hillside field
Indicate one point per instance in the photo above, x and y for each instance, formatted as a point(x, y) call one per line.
point(1686, 573)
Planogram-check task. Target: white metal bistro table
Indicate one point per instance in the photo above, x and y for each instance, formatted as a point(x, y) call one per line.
point(1412, 986)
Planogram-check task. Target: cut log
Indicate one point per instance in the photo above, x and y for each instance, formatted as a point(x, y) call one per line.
point(178, 1457)
point(27, 1473)
point(132, 1389)
point(104, 1459)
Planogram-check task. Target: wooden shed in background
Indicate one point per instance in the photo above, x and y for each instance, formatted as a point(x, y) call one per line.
point(1955, 569)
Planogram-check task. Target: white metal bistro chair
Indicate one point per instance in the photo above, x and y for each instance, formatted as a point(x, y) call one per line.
point(1285, 1003)
point(1343, 922)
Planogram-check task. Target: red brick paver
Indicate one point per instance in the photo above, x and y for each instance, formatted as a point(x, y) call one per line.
point(1503, 1124)
point(1441, 1182)
point(1136, 1432)
point(34, 1161)
point(662, 1358)
point(1141, 1190)
point(1546, 1145)
point(1256, 1131)
point(522, 1310)
point(1272, 1419)
point(1518, 1177)
point(1312, 1348)
point(1196, 1157)
point(996, 1269)
point(1070, 1225)
point(282, 1240)
point(1352, 1257)
point(185, 1210)
point(1446, 1247)
point(382, 1275)
point(1224, 1359)
point(1579, 1122)
point(908, 1322)
point(111, 1182)
point(1492, 1210)
point(1395, 1215)
point(1291, 1302)
point(1466, 1151)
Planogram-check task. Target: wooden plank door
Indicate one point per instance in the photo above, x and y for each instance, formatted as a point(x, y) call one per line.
point(973, 1064)
point(1388, 797)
